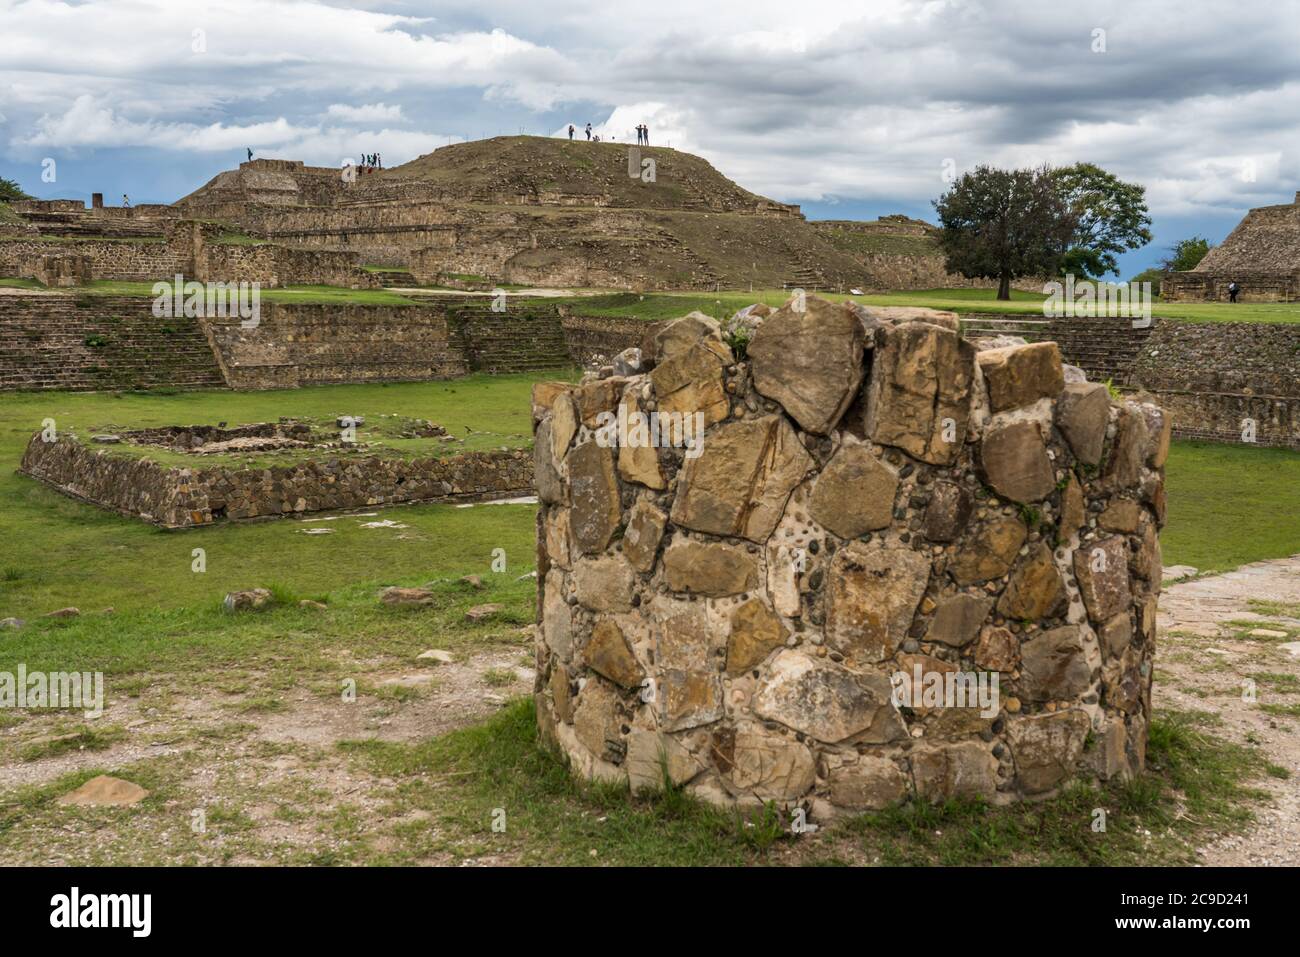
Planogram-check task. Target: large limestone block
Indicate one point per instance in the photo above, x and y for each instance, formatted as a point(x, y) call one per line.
point(1073, 512)
point(1116, 634)
point(739, 483)
point(597, 399)
point(1101, 568)
point(871, 597)
point(920, 393)
point(638, 460)
point(1046, 748)
point(1082, 414)
point(1121, 515)
point(544, 394)
point(827, 701)
point(593, 493)
point(557, 616)
point(810, 361)
point(854, 493)
point(680, 335)
point(604, 584)
point(684, 639)
point(608, 653)
point(692, 382)
point(1015, 461)
point(756, 632)
point(1035, 589)
point(897, 315)
point(689, 699)
point(869, 785)
point(1128, 453)
point(948, 512)
point(958, 618)
point(652, 756)
point(550, 490)
point(1053, 666)
point(596, 719)
point(988, 552)
point(1020, 375)
point(560, 694)
point(1159, 431)
point(770, 766)
point(967, 769)
point(645, 528)
point(709, 568)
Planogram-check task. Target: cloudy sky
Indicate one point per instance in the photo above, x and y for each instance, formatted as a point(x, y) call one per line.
point(854, 109)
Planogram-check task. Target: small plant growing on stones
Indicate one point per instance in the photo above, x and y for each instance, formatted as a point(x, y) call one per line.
point(95, 342)
point(738, 340)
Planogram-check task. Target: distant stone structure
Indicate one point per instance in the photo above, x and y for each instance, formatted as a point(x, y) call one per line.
point(874, 507)
point(176, 497)
point(1261, 255)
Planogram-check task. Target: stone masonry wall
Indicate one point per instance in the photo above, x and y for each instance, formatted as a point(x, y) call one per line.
point(871, 501)
point(1225, 381)
point(594, 340)
point(180, 497)
point(310, 344)
point(124, 261)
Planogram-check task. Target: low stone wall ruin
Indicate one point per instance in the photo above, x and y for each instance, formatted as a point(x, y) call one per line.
point(175, 497)
point(872, 502)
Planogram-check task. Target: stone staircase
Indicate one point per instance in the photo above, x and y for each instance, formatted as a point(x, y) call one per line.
point(510, 341)
point(1103, 348)
point(88, 225)
point(100, 343)
point(1029, 328)
point(393, 277)
point(517, 340)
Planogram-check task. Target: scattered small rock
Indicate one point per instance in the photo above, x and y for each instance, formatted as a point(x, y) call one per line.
point(68, 612)
point(436, 654)
point(105, 791)
point(308, 603)
point(405, 596)
point(473, 581)
point(1267, 633)
point(254, 599)
point(482, 612)
point(11, 623)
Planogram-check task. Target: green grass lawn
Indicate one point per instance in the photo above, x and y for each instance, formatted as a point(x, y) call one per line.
point(287, 294)
point(654, 306)
point(61, 552)
point(1230, 504)
point(167, 642)
point(666, 305)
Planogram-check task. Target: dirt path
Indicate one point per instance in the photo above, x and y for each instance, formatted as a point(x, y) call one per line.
point(1214, 644)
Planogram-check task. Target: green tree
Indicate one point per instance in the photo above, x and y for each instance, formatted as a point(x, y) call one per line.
point(1186, 254)
point(10, 190)
point(1004, 224)
point(1110, 218)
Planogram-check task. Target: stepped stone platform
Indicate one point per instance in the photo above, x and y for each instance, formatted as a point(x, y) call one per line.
point(883, 564)
point(185, 497)
point(1261, 255)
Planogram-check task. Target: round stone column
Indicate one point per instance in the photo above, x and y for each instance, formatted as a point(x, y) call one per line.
point(839, 556)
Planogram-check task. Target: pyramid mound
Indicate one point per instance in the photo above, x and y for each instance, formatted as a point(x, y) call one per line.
point(578, 173)
point(1261, 255)
point(538, 211)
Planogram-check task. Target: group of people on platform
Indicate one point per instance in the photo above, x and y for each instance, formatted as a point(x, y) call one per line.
point(642, 134)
